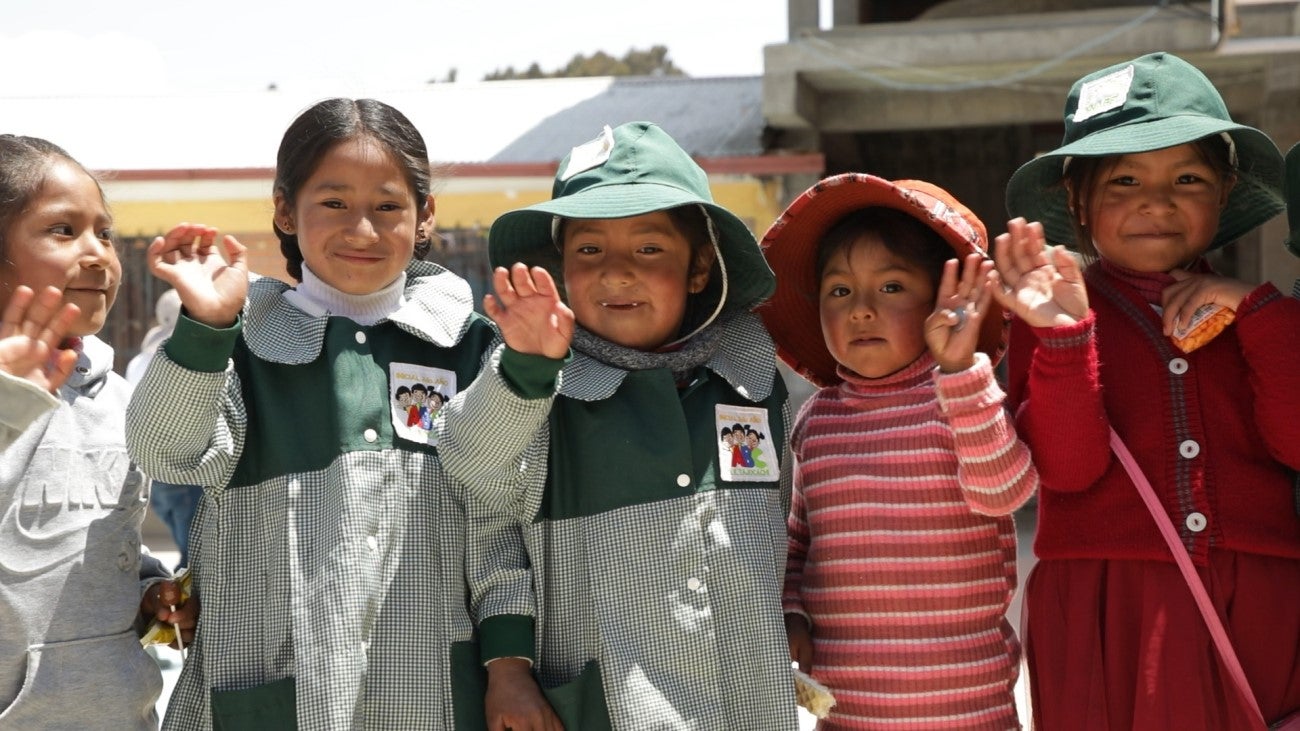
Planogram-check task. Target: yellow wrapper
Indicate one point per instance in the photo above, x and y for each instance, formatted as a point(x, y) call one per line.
point(1207, 322)
point(813, 696)
point(161, 633)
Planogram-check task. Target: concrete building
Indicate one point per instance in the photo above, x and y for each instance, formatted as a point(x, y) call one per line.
point(961, 92)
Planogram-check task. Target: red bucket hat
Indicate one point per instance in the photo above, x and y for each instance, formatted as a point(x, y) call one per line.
point(790, 245)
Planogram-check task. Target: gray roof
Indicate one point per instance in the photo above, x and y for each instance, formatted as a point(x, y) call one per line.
point(714, 117)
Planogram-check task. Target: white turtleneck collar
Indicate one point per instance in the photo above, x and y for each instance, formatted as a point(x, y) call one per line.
point(318, 299)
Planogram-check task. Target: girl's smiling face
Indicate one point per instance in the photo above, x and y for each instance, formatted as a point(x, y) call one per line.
point(1155, 211)
point(64, 239)
point(627, 279)
point(356, 217)
point(873, 307)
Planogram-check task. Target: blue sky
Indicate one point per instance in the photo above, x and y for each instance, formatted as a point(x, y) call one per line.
point(159, 46)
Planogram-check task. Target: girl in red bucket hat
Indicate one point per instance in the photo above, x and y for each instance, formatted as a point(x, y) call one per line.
point(1153, 173)
point(902, 557)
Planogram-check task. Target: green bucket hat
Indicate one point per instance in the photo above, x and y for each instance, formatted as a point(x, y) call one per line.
point(1293, 198)
point(1149, 103)
point(633, 169)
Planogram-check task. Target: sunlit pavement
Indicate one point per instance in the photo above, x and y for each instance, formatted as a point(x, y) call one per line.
point(160, 543)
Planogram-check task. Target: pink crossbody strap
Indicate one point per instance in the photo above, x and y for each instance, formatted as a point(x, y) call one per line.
point(1184, 561)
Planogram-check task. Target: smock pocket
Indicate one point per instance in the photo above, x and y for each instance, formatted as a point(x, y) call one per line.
point(468, 686)
point(100, 682)
point(268, 707)
point(580, 703)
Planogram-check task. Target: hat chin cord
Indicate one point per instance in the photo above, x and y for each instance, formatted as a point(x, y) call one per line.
point(722, 267)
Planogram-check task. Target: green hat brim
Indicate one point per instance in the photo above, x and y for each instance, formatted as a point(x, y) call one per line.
point(1035, 191)
point(525, 234)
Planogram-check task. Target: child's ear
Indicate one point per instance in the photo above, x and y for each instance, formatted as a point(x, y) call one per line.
point(700, 269)
point(283, 214)
point(1070, 204)
point(426, 214)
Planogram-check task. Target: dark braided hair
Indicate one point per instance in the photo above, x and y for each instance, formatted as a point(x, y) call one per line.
point(316, 131)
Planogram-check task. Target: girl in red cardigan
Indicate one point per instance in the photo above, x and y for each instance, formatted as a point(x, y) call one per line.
point(1153, 174)
point(902, 552)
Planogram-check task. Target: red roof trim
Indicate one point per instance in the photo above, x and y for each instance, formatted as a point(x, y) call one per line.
point(813, 163)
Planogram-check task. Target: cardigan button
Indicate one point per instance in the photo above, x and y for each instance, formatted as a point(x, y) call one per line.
point(370, 435)
point(683, 480)
point(1195, 522)
point(1178, 366)
point(1189, 449)
point(694, 584)
point(361, 337)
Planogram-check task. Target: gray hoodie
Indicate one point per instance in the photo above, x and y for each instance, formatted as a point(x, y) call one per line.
point(71, 564)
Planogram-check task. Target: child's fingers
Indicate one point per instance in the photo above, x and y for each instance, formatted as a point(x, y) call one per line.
point(503, 286)
point(1066, 265)
point(544, 283)
point(41, 312)
point(969, 272)
point(522, 280)
point(983, 292)
point(492, 308)
point(236, 252)
point(1024, 249)
point(1003, 259)
point(11, 321)
point(61, 368)
point(947, 281)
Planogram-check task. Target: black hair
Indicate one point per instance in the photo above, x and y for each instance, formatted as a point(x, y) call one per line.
point(420, 387)
point(24, 162)
point(401, 391)
point(1084, 172)
point(900, 234)
point(316, 131)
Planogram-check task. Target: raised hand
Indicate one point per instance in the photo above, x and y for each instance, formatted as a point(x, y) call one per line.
point(529, 312)
point(1190, 292)
point(212, 288)
point(31, 330)
point(1040, 284)
point(952, 330)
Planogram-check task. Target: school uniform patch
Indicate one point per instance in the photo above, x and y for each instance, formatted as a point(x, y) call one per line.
point(415, 395)
point(745, 451)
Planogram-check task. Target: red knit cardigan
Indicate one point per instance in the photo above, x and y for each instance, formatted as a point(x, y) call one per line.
point(1217, 431)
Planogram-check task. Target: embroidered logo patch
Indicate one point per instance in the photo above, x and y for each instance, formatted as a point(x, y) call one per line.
point(745, 450)
point(1104, 94)
point(416, 394)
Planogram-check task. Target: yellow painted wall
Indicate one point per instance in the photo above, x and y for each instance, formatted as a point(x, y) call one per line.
point(146, 209)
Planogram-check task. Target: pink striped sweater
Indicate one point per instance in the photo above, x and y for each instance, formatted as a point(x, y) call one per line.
point(902, 548)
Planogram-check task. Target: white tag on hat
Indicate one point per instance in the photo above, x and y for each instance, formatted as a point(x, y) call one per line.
point(590, 154)
point(1104, 94)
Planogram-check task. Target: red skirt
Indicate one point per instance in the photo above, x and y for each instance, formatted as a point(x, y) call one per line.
point(1117, 645)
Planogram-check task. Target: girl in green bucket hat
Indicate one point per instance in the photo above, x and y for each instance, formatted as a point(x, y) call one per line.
point(640, 588)
point(1142, 343)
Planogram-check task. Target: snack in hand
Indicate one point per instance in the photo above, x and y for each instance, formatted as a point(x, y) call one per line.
point(813, 696)
point(1207, 322)
point(159, 632)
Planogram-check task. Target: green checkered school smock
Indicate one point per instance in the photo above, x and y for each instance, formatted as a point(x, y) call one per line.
point(645, 585)
point(328, 549)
